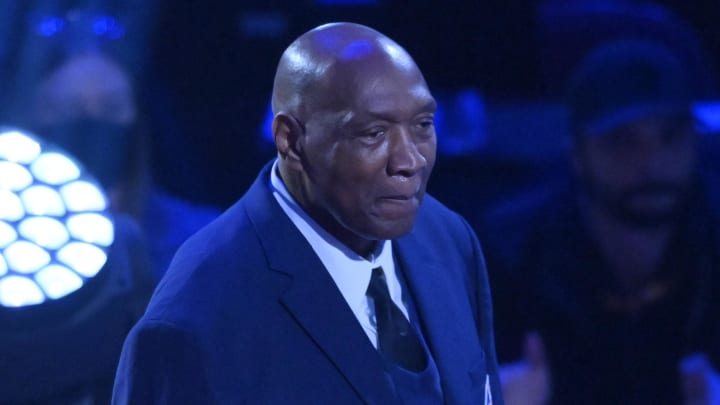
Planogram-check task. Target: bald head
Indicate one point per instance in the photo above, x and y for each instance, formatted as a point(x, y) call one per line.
point(354, 132)
point(323, 62)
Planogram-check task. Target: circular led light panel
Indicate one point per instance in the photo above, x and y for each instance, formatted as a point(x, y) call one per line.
point(55, 224)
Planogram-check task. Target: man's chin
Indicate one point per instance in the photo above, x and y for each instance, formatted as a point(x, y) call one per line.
point(643, 209)
point(388, 229)
point(647, 219)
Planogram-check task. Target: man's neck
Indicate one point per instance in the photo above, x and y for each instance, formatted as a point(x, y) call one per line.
point(361, 246)
point(633, 253)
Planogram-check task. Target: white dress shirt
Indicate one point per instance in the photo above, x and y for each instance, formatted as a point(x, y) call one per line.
point(350, 271)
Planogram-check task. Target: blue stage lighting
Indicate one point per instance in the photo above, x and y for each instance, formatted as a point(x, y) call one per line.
point(73, 279)
point(105, 25)
point(708, 115)
point(55, 224)
point(49, 26)
point(266, 126)
point(80, 22)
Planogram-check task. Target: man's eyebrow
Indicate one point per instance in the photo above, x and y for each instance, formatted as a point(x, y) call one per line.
point(431, 105)
point(428, 106)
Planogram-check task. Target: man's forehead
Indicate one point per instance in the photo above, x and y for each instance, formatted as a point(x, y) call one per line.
point(349, 47)
point(390, 110)
point(374, 50)
point(655, 124)
point(388, 67)
point(376, 89)
point(413, 99)
point(88, 74)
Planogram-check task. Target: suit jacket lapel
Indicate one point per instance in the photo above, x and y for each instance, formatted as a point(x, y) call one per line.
point(314, 300)
point(448, 325)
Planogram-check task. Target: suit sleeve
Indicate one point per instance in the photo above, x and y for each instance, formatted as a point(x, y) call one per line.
point(161, 364)
point(484, 316)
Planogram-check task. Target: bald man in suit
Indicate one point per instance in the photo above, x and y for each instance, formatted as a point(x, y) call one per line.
point(334, 279)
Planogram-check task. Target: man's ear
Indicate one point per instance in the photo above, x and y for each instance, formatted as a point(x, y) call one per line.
point(288, 133)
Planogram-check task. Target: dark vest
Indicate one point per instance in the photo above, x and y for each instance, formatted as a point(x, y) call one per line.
point(416, 387)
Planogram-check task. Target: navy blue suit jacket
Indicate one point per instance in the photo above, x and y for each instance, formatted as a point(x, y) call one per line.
point(248, 314)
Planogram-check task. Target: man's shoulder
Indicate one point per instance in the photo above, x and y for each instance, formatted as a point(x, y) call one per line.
point(211, 281)
point(210, 269)
point(231, 235)
point(508, 227)
point(434, 213)
point(443, 230)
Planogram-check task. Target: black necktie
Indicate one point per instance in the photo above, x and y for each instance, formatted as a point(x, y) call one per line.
point(397, 340)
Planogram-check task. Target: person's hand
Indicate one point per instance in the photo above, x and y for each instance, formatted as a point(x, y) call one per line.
point(527, 382)
point(700, 381)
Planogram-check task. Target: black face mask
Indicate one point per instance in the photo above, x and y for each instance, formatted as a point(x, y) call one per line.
point(104, 148)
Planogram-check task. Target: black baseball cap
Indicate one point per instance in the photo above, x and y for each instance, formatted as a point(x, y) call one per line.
point(624, 80)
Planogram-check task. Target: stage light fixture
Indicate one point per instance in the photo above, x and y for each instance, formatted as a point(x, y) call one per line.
point(73, 278)
point(55, 224)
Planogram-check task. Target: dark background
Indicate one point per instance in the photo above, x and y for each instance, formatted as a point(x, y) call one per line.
point(205, 71)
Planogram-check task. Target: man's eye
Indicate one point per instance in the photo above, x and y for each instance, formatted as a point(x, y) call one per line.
point(376, 133)
point(426, 124)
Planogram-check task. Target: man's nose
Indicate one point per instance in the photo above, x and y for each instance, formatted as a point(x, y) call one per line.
point(658, 159)
point(405, 158)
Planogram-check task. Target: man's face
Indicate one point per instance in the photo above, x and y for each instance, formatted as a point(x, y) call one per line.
point(368, 154)
point(86, 86)
point(642, 171)
point(86, 106)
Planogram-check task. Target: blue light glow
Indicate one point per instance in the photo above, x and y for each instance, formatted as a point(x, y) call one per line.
point(708, 113)
point(104, 26)
point(460, 123)
point(266, 127)
point(357, 50)
point(108, 26)
point(50, 26)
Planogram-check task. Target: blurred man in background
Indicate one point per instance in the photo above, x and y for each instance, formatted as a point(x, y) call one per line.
point(87, 104)
point(79, 97)
point(619, 274)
